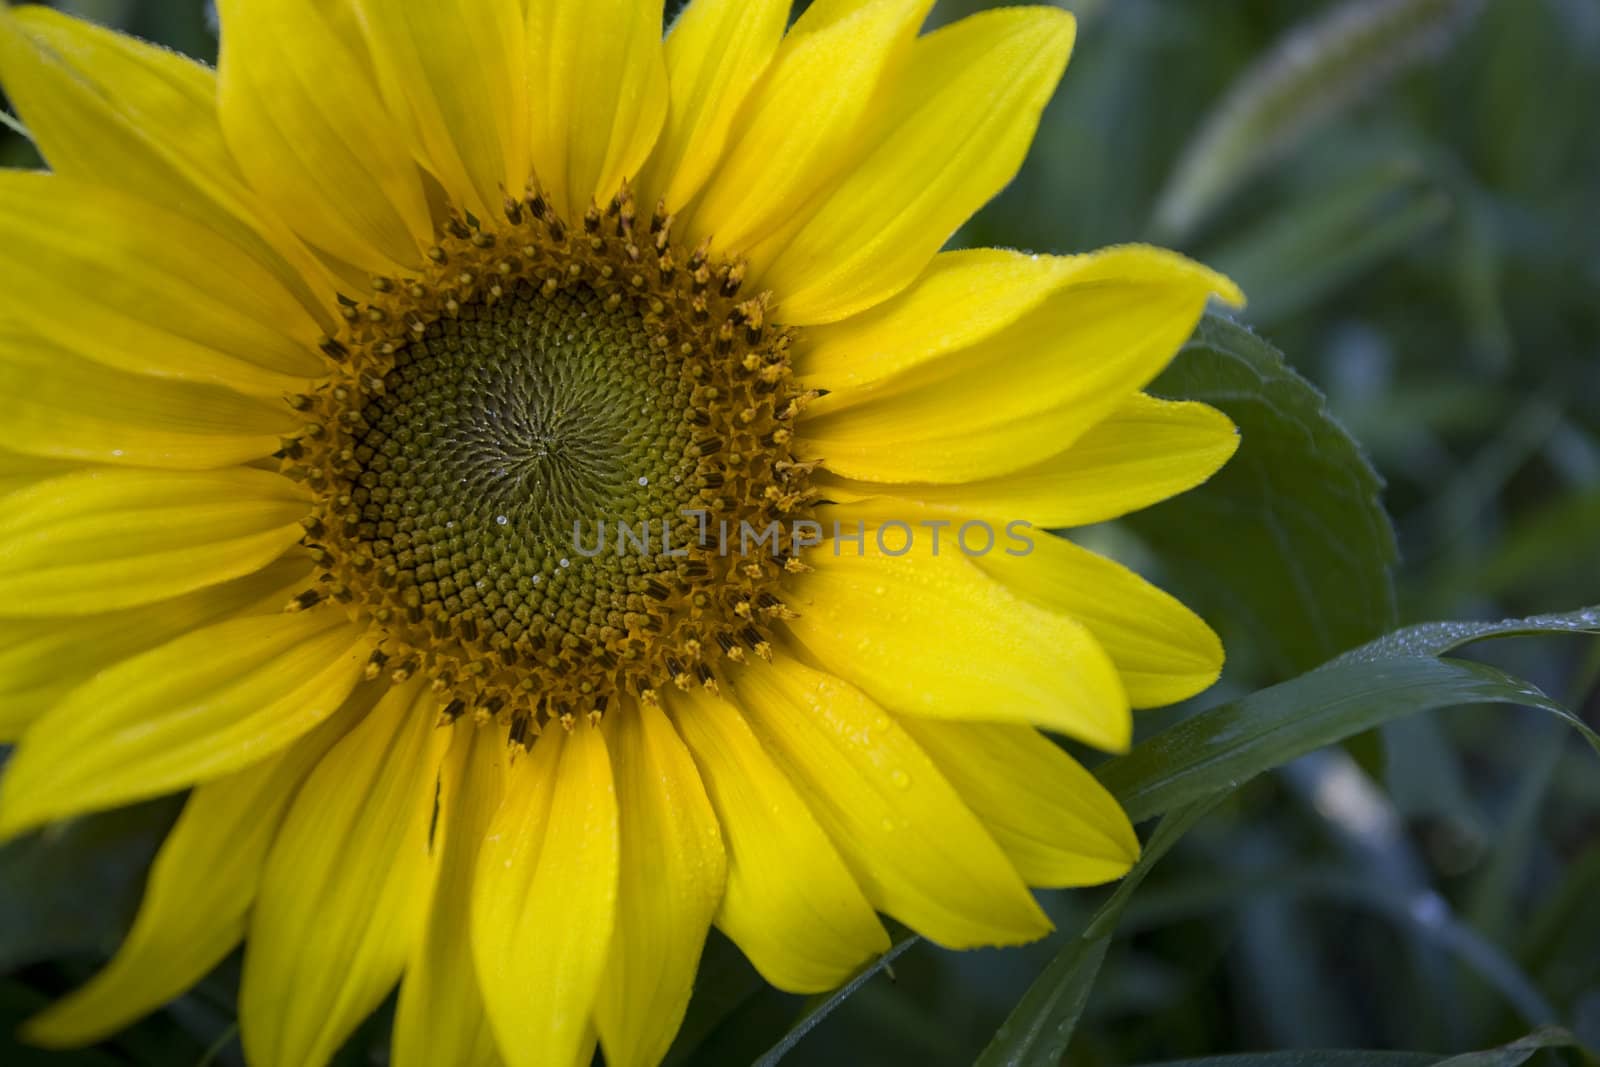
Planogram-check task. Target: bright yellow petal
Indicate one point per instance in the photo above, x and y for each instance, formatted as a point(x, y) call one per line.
point(346, 886)
point(199, 894)
point(99, 102)
point(917, 850)
point(1058, 825)
point(671, 877)
point(124, 283)
point(961, 299)
point(928, 633)
point(544, 900)
point(202, 706)
point(107, 539)
point(42, 660)
point(458, 69)
point(59, 404)
point(18, 471)
point(791, 904)
point(803, 118)
point(954, 128)
point(1146, 451)
point(973, 410)
point(441, 1017)
point(598, 88)
point(310, 130)
point(1163, 651)
point(714, 53)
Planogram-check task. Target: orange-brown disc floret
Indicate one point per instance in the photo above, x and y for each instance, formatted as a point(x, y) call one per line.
point(527, 461)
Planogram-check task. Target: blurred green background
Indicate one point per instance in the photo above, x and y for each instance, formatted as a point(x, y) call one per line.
point(1409, 192)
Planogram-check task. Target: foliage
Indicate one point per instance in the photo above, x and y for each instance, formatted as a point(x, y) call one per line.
point(1406, 190)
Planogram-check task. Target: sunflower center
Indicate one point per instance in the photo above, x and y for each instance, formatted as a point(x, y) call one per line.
point(504, 430)
point(518, 457)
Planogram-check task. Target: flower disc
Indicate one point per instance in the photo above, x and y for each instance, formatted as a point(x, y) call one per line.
point(519, 456)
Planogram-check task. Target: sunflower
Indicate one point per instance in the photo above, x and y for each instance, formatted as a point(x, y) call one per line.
point(317, 367)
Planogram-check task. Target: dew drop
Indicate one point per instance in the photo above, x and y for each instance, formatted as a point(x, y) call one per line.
point(901, 779)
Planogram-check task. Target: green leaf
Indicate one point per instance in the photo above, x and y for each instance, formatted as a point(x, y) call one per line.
point(1518, 1052)
point(14, 124)
point(1287, 549)
point(825, 1006)
point(1510, 1055)
point(1441, 638)
point(1040, 1027)
point(1185, 770)
point(1227, 746)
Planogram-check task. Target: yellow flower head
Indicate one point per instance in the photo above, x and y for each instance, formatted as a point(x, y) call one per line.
point(545, 492)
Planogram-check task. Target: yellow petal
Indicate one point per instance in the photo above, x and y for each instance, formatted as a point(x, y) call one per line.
point(672, 873)
point(598, 86)
point(18, 471)
point(201, 706)
point(99, 102)
point(961, 298)
point(976, 409)
point(346, 887)
point(803, 117)
point(42, 660)
point(1163, 651)
point(310, 130)
point(954, 128)
point(791, 904)
point(458, 69)
point(124, 283)
point(917, 850)
point(107, 539)
point(1057, 824)
point(714, 54)
point(545, 897)
point(199, 894)
point(1144, 452)
point(928, 633)
point(59, 404)
point(441, 1017)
